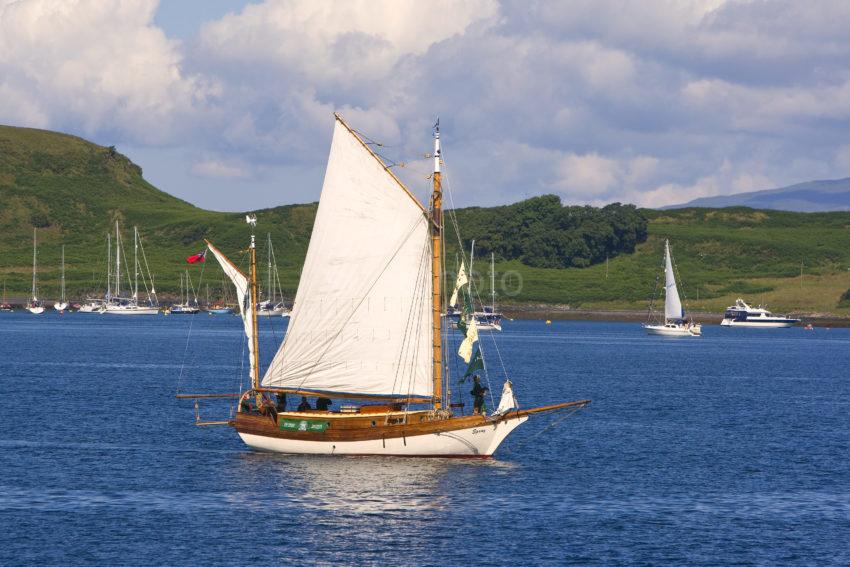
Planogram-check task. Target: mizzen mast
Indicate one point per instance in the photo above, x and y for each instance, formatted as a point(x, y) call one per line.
point(436, 251)
point(255, 377)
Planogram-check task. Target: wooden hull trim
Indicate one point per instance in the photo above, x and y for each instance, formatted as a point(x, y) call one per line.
point(476, 441)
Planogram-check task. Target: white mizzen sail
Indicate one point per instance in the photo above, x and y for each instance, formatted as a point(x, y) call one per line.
point(672, 304)
point(243, 296)
point(361, 322)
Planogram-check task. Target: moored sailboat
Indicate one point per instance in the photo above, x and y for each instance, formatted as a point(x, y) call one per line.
point(35, 306)
point(62, 304)
point(366, 325)
point(117, 305)
point(675, 324)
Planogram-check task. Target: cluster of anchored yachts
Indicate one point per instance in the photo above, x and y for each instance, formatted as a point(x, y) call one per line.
point(127, 301)
point(677, 323)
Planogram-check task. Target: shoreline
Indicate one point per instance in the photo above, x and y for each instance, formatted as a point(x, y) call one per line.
point(566, 313)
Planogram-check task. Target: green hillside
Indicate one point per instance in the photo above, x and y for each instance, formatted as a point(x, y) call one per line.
point(73, 191)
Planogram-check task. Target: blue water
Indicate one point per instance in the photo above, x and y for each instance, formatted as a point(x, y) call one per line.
point(730, 448)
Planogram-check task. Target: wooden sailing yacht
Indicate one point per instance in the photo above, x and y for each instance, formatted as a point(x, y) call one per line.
point(366, 325)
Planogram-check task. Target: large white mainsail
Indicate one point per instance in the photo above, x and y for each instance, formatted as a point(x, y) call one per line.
point(361, 321)
point(672, 304)
point(243, 295)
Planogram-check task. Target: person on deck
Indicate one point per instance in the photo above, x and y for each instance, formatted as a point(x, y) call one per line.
point(281, 401)
point(304, 405)
point(323, 404)
point(478, 392)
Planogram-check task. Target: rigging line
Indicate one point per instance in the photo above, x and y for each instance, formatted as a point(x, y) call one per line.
point(328, 343)
point(422, 295)
point(398, 380)
point(474, 294)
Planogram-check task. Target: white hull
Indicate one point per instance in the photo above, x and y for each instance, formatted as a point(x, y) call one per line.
point(674, 331)
point(61, 306)
point(36, 310)
point(479, 441)
point(130, 311)
point(89, 309)
point(755, 324)
point(273, 313)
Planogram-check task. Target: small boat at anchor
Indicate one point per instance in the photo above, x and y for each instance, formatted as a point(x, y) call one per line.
point(367, 326)
point(35, 305)
point(743, 315)
point(675, 324)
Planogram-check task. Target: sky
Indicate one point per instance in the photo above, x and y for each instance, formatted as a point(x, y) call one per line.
point(229, 104)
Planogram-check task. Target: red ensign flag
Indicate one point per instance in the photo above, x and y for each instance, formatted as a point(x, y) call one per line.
point(200, 257)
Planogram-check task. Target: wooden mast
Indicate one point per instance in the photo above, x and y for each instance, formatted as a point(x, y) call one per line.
point(255, 377)
point(436, 243)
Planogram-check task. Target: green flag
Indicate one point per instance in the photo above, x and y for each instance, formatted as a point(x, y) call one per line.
point(476, 363)
point(466, 311)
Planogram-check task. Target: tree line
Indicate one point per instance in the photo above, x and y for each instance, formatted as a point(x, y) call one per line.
point(541, 232)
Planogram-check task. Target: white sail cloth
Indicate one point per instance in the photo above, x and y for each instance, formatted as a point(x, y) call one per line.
point(672, 304)
point(243, 295)
point(461, 281)
point(361, 321)
point(465, 349)
point(508, 400)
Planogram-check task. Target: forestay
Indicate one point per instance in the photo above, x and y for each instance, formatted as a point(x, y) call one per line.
point(361, 322)
point(243, 295)
point(672, 303)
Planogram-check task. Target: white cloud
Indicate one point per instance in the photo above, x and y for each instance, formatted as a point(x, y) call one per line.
point(92, 67)
point(653, 102)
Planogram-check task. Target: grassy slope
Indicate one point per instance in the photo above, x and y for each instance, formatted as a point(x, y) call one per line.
point(80, 190)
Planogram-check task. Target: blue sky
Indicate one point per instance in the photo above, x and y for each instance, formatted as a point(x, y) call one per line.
point(229, 104)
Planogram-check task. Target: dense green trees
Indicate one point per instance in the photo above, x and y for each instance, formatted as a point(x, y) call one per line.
point(542, 233)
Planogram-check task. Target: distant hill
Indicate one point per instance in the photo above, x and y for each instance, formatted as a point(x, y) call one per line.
point(808, 197)
point(73, 191)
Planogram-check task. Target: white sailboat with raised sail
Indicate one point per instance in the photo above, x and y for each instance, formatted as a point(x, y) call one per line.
point(62, 304)
point(117, 305)
point(366, 326)
point(36, 306)
point(675, 322)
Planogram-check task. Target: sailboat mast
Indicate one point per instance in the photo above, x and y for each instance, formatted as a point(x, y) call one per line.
point(34, 264)
point(108, 266)
point(255, 379)
point(117, 261)
point(493, 281)
point(136, 263)
point(270, 289)
point(62, 299)
point(436, 243)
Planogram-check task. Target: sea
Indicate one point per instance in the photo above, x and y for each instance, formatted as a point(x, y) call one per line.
point(728, 449)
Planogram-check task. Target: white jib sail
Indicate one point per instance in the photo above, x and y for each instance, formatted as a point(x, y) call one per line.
point(461, 281)
point(243, 295)
point(361, 321)
point(672, 303)
point(508, 400)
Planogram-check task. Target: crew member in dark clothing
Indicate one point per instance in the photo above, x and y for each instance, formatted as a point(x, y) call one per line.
point(478, 392)
point(304, 405)
point(281, 401)
point(323, 404)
